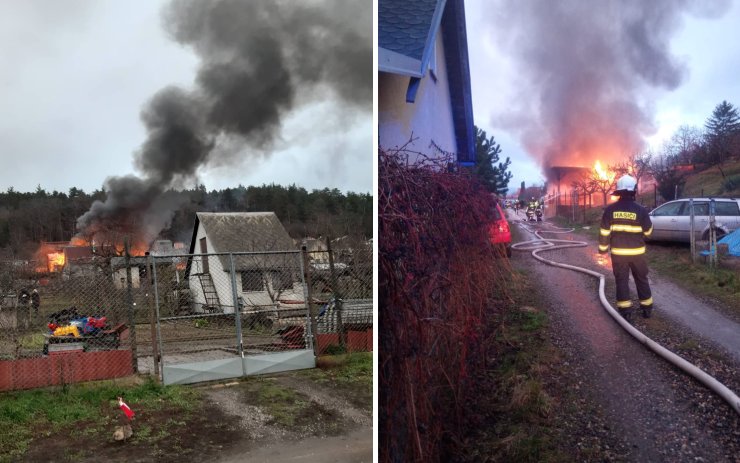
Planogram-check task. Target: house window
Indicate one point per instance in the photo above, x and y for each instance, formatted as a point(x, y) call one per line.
point(281, 280)
point(252, 280)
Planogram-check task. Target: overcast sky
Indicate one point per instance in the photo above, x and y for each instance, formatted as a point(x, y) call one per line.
point(705, 44)
point(76, 74)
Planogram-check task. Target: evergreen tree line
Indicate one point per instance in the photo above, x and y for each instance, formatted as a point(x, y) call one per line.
point(27, 218)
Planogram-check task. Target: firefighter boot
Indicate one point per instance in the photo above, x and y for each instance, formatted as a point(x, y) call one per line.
point(647, 311)
point(627, 314)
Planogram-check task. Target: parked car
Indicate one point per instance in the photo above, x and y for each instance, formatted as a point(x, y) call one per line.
point(671, 221)
point(499, 230)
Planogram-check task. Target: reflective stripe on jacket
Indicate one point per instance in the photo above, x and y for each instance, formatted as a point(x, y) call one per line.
point(624, 226)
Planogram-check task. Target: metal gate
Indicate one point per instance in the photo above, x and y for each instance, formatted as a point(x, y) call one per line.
point(228, 315)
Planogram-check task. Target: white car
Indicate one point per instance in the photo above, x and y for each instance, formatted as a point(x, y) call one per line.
point(671, 221)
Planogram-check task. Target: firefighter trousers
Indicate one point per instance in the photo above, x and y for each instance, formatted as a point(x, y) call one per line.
point(621, 266)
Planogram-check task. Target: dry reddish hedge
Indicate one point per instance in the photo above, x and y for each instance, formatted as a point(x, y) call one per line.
point(436, 273)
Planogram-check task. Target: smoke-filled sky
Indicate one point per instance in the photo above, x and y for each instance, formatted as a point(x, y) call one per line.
point(221, 93)
point(572, 81)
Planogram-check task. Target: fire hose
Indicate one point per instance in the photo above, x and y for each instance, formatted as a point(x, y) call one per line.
point(545, 244)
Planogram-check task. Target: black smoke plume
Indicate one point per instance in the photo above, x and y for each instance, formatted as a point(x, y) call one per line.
point(587, 70)
point(258, 62)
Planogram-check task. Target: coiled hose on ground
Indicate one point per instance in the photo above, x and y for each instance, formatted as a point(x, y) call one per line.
point(545, 244)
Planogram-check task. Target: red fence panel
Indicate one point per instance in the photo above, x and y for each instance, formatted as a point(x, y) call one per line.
point(66, 368)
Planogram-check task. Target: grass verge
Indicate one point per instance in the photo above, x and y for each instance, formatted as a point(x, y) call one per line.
point(514, 421)
point(674, 262)
point(349, 374)
point(89, 410)
point(284, 405)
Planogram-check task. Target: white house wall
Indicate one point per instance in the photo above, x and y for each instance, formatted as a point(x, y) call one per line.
point(429, 118)
point(221, 279)
point(119, 278)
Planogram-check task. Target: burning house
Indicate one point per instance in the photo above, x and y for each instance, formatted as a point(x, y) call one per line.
point(51, 254)
point(586, 77)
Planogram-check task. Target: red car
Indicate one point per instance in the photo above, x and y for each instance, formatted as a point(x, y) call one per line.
point(499, 230)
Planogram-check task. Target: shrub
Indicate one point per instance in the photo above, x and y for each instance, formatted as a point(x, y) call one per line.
point(436, 274)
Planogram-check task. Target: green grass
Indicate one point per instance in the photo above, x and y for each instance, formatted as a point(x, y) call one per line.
point(698, 278)
point(358, 369)
point(349, 374)
point(94, 404)
point(354, 369)
point(282, 404)
point(32, 341)
point(518, 410)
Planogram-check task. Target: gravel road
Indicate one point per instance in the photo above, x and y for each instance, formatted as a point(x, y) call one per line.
point(629, 404)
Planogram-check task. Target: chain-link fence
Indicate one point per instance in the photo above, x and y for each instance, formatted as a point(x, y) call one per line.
point(63, 324)
point(341, 288)
point(216, 309)
point(184, 318)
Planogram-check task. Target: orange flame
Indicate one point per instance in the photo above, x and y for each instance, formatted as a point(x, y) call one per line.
point(55, 261)
point(77, 241)
point(603, 173)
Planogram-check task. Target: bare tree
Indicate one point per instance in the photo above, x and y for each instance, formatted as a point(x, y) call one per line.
point(669, 178)
point(585, 188)
point(685, 143)
point(637, 165)
point(602, 181)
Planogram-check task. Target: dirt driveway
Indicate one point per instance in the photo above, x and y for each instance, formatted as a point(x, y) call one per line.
point(336, 428)
point(636, 405)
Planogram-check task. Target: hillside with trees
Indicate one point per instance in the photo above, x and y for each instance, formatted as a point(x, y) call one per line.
point(28, 218)
point(693, 150)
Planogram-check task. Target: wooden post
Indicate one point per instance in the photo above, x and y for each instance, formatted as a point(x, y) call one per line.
point(712, 236)
point(338, 304)
point(130, 303)
point(309, 301)
point(655, 196)
point(692, 237)
point(151, 282)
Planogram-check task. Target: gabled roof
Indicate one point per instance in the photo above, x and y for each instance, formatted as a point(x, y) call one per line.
point(407, 30)
point(243, 232)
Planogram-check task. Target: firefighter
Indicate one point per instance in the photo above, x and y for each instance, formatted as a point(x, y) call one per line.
point(624, 226)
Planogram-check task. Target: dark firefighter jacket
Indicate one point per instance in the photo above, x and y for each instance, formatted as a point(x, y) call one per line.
point(624, 226)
